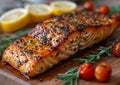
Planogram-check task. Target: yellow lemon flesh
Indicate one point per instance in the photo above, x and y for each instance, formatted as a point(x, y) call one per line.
point(39, 12)
point(14, 20)
point(62, 7)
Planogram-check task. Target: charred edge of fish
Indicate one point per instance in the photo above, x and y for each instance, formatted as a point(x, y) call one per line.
point(29, 52)
point(80, 27)
point(58, 19)
point(37, 58)
point(57, 53)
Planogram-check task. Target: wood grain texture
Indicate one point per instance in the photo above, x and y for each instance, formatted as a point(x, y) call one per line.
point(10, 76)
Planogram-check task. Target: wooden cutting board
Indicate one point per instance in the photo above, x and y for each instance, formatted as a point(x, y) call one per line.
point(10, 76)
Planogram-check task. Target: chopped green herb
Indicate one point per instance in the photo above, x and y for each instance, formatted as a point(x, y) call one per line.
point(44, 39)
point(74, 21)
point(85, 13)
point(31, 41)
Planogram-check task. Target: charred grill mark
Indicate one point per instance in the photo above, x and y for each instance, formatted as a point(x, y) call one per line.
point(52, 48)
point(17, 42)
point(20, 40)
point(65, 35)
point(37, 58)
point(70, 15)
point(58, 19)
point(57, 53)
point(80, 27)
point(19, 63)
point(71, 41)
point(29, 52)
point(25, 43)
point(57, 40)
point(66, 28)
point(10, 51)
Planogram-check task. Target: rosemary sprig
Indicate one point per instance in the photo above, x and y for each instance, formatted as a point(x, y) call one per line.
point(70, 76)
point(7, 40)
point(114, 9)
point(94, 56)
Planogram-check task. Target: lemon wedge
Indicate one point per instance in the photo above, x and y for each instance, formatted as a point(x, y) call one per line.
point(14, 20)
point(39, 12)
point(61, 7)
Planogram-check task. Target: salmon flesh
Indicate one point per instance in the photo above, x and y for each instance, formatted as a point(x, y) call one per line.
point(57, 39)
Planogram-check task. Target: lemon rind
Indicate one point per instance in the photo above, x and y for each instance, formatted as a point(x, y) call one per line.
point(24, 11)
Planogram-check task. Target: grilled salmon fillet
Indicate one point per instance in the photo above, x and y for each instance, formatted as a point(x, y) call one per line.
point(57, 39)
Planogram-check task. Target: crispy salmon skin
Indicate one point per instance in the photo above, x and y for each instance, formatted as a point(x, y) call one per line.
point(57, 39)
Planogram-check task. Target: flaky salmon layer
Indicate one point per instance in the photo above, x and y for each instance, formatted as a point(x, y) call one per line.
point(57, 39)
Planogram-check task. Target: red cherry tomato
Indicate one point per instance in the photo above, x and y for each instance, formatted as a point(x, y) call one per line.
point(116, 16)
point(87, 71)
point(104, 9)
point(116, 49)
point(88, 5)
point(103, 72)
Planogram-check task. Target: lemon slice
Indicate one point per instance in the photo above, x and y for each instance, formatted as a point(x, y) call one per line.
point(61, 7)
point(14, 20)
point(39, 12)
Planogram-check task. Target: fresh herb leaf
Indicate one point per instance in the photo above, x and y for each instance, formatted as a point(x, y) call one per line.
point(114, 10)
point(23, 32)
point(44, 39)
point(31, 42)
point(74, 21)
point(70, 76)
point(94, 56)
point(85, 13)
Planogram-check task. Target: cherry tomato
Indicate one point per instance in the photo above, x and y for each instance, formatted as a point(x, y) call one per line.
point(88, 5)
point(87, 71)
point(116, 49)
point(104, 9)
point(116, 16)
point(103, 72)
